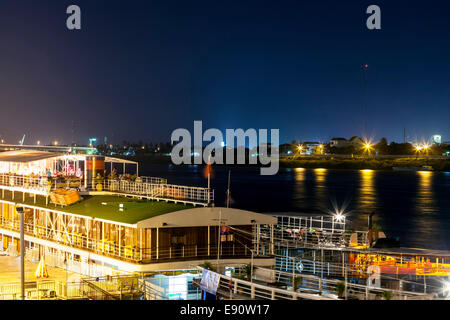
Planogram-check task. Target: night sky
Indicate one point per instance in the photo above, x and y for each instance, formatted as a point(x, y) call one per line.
point(140, 69)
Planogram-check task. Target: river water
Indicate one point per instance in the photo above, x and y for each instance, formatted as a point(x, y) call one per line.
point(414, 206)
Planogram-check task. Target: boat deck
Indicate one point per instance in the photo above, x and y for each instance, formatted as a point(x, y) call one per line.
point(106, 207)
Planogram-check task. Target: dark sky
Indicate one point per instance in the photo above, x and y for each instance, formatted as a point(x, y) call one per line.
point(140, 69)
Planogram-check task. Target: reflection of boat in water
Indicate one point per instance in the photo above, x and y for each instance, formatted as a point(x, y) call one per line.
point(422, 168)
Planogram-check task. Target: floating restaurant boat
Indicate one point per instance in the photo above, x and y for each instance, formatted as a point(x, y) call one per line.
point(79, 214)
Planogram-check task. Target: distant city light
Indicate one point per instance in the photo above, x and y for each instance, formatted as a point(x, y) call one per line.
point(91, 142)
point(422, 147)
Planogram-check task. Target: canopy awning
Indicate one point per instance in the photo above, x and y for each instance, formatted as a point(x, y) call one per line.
point(25, 156)
point(199, 217)
point(119, 160)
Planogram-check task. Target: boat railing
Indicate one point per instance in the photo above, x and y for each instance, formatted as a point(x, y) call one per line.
point(112, 248)
point(151, 180)
point(324, 285)
point(14, 182)
point(325, 223)
point(149, 187)
point(312, 231)
point(244, 289)
point(187, 194)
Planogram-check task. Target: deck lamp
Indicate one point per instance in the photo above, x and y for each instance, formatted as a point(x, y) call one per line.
point(21, 211)
point(447, 287)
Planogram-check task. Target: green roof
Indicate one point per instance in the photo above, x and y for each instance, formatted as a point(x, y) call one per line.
point(106, 207)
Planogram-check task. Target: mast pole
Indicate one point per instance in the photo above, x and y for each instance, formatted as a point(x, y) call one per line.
point(218, 239)
point(228, 190)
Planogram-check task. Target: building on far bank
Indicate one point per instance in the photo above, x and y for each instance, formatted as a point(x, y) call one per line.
point(437, 139)
point(354, 141)
point(303, 148)
point(339, 142)
point(310, 148)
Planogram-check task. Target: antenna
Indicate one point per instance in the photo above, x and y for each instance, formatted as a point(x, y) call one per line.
point(209, 175)
point(365, 80)
point(228, 190)
point(21, 141)
point(218, 239)
point(73, 132)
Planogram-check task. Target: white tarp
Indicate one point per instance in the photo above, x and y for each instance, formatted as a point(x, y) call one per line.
point(210, 281)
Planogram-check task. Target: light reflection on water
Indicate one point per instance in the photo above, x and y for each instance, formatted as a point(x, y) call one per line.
point(367, 192)
point(321, 187)
point(412, 205)
point(425, 199)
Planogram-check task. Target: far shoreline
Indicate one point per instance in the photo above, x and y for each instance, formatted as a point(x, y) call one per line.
point(365, 163)
point(329, 163)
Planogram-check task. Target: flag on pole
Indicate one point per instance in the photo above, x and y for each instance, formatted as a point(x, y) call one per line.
point(208, 170)
point(224, 229)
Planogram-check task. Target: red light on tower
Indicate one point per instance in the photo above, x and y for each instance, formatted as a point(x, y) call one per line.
point(366, 66)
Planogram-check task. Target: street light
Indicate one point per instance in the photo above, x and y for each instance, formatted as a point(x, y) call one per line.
point(367, 146)
point(426, 147)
